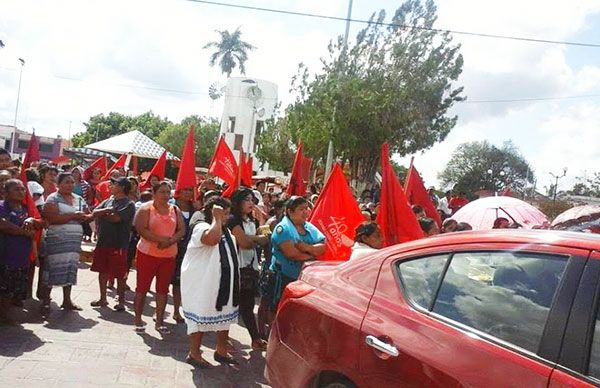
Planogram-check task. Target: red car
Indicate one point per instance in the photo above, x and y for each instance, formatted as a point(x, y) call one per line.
point(498, 308)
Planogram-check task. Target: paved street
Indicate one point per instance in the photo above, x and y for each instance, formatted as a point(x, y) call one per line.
point(98, 346)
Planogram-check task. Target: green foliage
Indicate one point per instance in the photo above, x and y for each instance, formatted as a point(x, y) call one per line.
point(394, 84)
point(469, 166)
point(277, 146)
point(553, 208)
point(231, 52)
point(206, 134)
point(589, 187)
point(102, 126)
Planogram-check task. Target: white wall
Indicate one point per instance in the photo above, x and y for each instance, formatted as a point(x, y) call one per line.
point(246, 113)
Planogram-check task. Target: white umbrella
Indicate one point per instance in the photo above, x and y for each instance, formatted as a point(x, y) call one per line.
point(132, 143)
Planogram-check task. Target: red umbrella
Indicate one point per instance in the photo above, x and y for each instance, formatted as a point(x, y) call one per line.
point(576, 215)
point(480, 214)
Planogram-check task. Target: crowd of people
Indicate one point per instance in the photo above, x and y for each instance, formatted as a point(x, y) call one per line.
point(214, 255)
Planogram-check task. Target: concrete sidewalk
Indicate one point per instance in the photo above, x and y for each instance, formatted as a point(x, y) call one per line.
point(98, 347)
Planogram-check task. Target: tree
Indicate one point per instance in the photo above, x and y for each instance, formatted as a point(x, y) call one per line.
point(276, 145)
point(589, 187)
point(231, 51)
point(482, 166)
point(206, 133)
point(101, 127)
point(393, 84)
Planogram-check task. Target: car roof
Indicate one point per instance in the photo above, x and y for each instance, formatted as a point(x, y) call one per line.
point(560, 238)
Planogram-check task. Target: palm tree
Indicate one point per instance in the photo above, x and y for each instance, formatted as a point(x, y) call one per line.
point(231, 50)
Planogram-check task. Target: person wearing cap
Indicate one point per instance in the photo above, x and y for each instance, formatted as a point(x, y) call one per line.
point(114, 218)
point(368, 239)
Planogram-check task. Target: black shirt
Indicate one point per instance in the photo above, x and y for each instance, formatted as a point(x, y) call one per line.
point(116, 235)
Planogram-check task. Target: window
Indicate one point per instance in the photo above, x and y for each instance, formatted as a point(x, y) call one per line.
point(594, 368)
point(507, 295)
point(231, 124)
point(23, 144)
point(45, 147)
point(7, 144)
point(238, 142)
point(421, 278)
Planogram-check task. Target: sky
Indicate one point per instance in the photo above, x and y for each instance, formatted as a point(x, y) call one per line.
point(85, 57)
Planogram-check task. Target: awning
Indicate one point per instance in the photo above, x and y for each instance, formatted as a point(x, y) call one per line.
point(87, 153)
point(134, 143)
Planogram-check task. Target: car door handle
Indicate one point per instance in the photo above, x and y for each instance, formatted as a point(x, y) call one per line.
point(382, 346)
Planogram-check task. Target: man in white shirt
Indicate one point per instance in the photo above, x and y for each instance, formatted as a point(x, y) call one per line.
point(443, 203)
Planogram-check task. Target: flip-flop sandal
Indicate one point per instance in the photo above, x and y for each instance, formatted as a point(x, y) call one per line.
point(179, 319)
point(197, 364)
point(119, 307)
point(71, 307)
point(140, 328)
point(98, 303)
point(163, 330)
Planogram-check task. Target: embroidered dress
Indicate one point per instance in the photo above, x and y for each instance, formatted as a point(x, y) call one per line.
point(63, 244)
point(201, 276)
point(14, 255)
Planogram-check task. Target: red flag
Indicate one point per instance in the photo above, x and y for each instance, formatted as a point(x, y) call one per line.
point(418, 195)
point(296, 185)
point(397, 221)
point(306, 165)
point(247, 172)
point(158, 170)
point(98, 163)
point(32, 154)
point(336, 215)
point(186, 176)
point(223, 164)
point(120, 163)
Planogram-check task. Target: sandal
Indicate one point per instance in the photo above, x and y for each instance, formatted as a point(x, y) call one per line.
point(119, 307)
point(163, 330)
point(225, 359)
point(71, 307)
point(178, 318)
point(202, 363)
point(99, 303)
point(259, 345)
point(45, 310)
point(139, 328)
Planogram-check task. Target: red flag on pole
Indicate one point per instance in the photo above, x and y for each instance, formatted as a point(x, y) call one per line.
point(223, 164)
point(418, 195)
point(186, 176)
point(336, 215)
point(158, 170)
point(32, 154)
point(397, 221)
point(247, 172)
point(98, 163)
point(296, 185)
point(120, 163)
point(306, 165)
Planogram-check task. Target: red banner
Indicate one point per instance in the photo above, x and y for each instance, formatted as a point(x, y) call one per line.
point(186, 176)
point(418, 195)
point(98, 163)
point(32, 154)
point(223, 164)
point(158, 170)
point(397, 221)
point(336, 215)
point(296, 185)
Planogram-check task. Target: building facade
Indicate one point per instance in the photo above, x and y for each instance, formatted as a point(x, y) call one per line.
point(50, 147)
point(248, 104)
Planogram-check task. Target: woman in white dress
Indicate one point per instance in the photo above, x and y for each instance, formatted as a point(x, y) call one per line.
point(210, 283)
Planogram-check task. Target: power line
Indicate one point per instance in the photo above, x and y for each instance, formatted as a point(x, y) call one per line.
point(531, 99)
point(403, 26)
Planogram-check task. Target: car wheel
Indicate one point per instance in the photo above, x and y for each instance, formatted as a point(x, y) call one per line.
point(338, 384)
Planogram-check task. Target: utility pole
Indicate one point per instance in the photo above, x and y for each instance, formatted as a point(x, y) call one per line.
point(14, 134)
point(329, 162)
point(557, 177)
